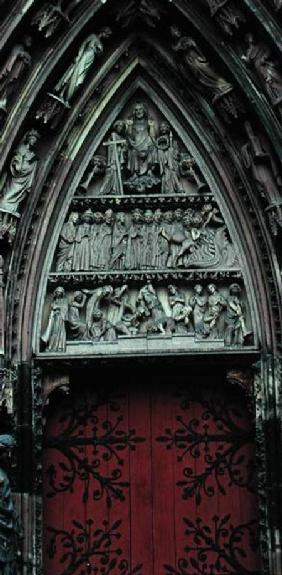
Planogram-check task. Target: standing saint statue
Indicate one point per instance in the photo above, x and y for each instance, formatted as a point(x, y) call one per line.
point(15, 65)
point(67, 243)
point(259, 57)
point(78, 70)
point(199, 65)
point(17, 182)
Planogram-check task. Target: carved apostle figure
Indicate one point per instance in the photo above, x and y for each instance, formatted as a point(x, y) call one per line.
point(17, 62)
point(104, 247)
point(199, 65)
point(78, 70)
point(9, 525)
point(140, 131)
point(168, 159)
point(55, 334)
point(82, 256)
point(66, 244)
point(17, 181)
point(135, 244)
point(259, 56)
point(119, 242)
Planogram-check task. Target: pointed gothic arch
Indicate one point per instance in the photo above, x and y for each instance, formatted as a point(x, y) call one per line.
point(235, 141)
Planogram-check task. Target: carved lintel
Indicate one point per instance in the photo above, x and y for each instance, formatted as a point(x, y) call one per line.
point(52, 383)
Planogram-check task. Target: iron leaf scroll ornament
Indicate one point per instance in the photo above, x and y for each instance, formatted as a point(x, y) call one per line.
point(218, 438)
point(88, 550)
point(104, 442)
point(216, 550)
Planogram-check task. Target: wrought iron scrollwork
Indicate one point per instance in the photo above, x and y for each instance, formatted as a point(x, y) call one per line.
point(217, 437)
point(216, 549)
point(91, 549)
point(106, 440)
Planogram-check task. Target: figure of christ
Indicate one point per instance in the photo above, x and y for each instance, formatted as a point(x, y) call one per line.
point(140, 131)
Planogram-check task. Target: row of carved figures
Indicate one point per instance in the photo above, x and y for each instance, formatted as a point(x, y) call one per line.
point(258, 56)
point(105, 313)
point(144, 240)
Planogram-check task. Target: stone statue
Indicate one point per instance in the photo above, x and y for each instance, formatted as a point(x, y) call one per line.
point(188, 169)
point(258, 159)
point(17, 182)
point(198, 64)
point(148, 238)
point(227, 15)
point(12, 70)
point(98, 219)
point(98, 297)
point(82, 256)
point(175, 238)
point(180, 310)
point(66, 244)
point(150, 309)
point(96, 168)
point(259, 57)
point(119, 242)
point(117, 149)
point(48, 19)
point(142, 154)
point(135, 244)
point(168, 159)
point(277, 4)
point(78, 70)
point(9, 524)
point(55, 333)
point(120, 312)
point(160, 243)
point(77, 327)
point(198, 304)
point(99, 328)
point(104, 246)
point(216, 305)
point(235, 325)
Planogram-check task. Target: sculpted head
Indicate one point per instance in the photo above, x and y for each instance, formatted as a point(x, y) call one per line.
point(148, 216)
point(73, 217)
point(164, 128)
point(59, 292)
point(31, 137)
point(140, 111)
point(211, 288)
point(198, 289)
point(235, 289)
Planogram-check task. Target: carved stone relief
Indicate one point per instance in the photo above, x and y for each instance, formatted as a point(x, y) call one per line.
point(226, 14)
point(18, 60)
point(109, 313)
point(144, 253)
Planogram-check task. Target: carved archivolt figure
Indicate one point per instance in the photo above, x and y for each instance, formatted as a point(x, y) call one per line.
point(9, 525)
point(49, 17)
point(227, 15)
point(198, 64)
point(17, 182)
point(77, 72)
point(259, 56)
point(55, 334)
point(17, 62)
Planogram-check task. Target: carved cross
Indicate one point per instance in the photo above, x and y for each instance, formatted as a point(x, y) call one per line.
point(115, 142)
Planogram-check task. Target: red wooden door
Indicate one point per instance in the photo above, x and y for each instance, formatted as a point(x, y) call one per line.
point(150, 479)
